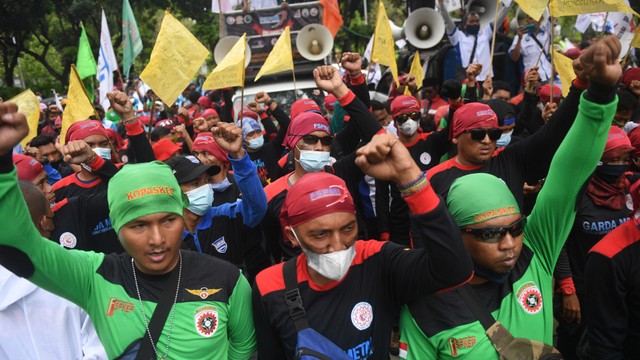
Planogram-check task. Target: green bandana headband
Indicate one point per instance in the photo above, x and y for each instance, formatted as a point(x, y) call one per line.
point(480, 197)
point(139, 190)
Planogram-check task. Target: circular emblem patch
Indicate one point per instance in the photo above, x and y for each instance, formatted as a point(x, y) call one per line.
point(531, 299)
point(425, 158)
point(68, 240)
point(207, 322)
point(362, 315)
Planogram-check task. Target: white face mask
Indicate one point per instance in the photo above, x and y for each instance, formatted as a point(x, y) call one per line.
point(334, 265)
point(408, 128)
point(313, 161)
point(255, 144)
point(104, 153)
point(200, 199)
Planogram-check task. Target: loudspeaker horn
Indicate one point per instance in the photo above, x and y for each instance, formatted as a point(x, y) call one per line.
point(518, 20)
point(424, 28)
point(485, 8)
point(396, 31)
point(314, 42)
point(224, 46)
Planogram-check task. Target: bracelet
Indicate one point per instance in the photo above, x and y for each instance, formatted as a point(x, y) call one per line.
point(414, 185)
point(268, 103)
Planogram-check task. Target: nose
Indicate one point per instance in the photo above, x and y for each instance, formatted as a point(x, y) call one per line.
point(156, 237)
point(318, 146)
point(508, 242)
point(486, 139)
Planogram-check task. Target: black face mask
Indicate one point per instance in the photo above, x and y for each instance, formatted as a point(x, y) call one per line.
point(610, 173)
point(490, 275)
point(472, 29)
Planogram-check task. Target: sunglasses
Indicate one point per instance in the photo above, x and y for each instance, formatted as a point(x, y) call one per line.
point(480, 134)
point(404, 117)
point(313, 139)
point(493, 234)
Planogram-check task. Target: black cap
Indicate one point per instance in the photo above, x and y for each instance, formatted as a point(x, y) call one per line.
point(188, 168)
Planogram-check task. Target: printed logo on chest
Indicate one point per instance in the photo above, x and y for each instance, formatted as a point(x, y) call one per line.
point(206, 320)
point(362, 315)
point(530, 298)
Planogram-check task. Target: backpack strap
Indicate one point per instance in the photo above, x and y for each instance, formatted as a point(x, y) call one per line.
point(292, 295)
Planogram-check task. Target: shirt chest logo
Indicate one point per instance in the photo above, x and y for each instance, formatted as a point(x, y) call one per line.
point(220, 245)
point(203, 292)
point(466, 342)
point(68, 240)
point(425, 158)
point(362, 315)
point(530, 298)
point(206, 320)
point(115, 304)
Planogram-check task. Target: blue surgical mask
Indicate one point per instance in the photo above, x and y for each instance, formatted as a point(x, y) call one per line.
point(472, 29)
point(256, 144)
point(221, 186)
point(531, 28)
point(200, 199)
point(504, 140)
point(314, 161)
point(104, 153)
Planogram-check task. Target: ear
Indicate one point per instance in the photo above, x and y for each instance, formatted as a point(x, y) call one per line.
point(42, 224)
point(292, 238)
point(454, 140)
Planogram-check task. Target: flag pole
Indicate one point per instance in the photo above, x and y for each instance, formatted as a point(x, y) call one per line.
point(493, 41)
point(552, 75)
point(221, 19)
point(624, 59)
point(153, 111)
point(295, 86)
point(604, 27)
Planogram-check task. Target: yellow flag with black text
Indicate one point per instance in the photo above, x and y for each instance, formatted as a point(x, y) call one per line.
point(176, 57)
point(78, 107)
point(533, 8)
point(564, 68)
point(383, 51)
point(280, 58)
point(635, 42)
point(417, 71)
point(577, 7)
point(29, 105)
point(230, 71)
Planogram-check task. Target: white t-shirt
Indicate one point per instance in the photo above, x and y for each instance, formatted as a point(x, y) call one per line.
point(530, 51)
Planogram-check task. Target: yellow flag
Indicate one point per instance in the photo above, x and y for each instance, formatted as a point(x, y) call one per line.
point(564, 68)
point(230, 71)
point(534, 8)
point(29, 105)
point(383, 51)
point(78, 107)
point(175, 59)
point(417, 71)
point(280, 59)
point(577, 7)
point(635, 42)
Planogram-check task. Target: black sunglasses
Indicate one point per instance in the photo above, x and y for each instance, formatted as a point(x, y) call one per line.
point(493, 234)
point(404, 117)
point(479, 134)
point(312, 140)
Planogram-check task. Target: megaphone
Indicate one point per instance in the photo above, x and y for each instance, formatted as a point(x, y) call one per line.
point(424, 28)
point(396, 31)
point(224, 46)
point(518, 20)
point(486, 9)
point(314, 42)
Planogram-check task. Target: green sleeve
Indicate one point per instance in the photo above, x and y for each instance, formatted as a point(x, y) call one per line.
point(553, 215)
point(66, 273)
point(242, 334)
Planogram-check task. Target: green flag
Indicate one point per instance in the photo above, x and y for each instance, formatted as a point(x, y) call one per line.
point(86, 63)
point(131, 41)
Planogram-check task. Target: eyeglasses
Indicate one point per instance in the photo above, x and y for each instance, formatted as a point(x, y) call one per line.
point(313, 139)
point(480, 134)
point(493, 234)
point(404, 117)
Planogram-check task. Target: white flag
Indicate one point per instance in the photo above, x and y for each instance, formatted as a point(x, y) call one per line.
point(582, 22)
point(107, 64)
point(224, 6)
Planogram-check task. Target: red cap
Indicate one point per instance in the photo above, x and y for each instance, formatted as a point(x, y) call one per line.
point(630, 75)
point(28, 167)
point(164, 149)
point(305, 124)
point(209, 112)
point(303, 105)
point(634, 137)
point(205, 102)
point(205, 142)
point(330, 102)
point(314, 195)
point(403, 104)
point(617, 143)
point(80, 130)
point(545, 93)
point(249, 113)
point(472, 116)
point(116, 139)
point(572, 53)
